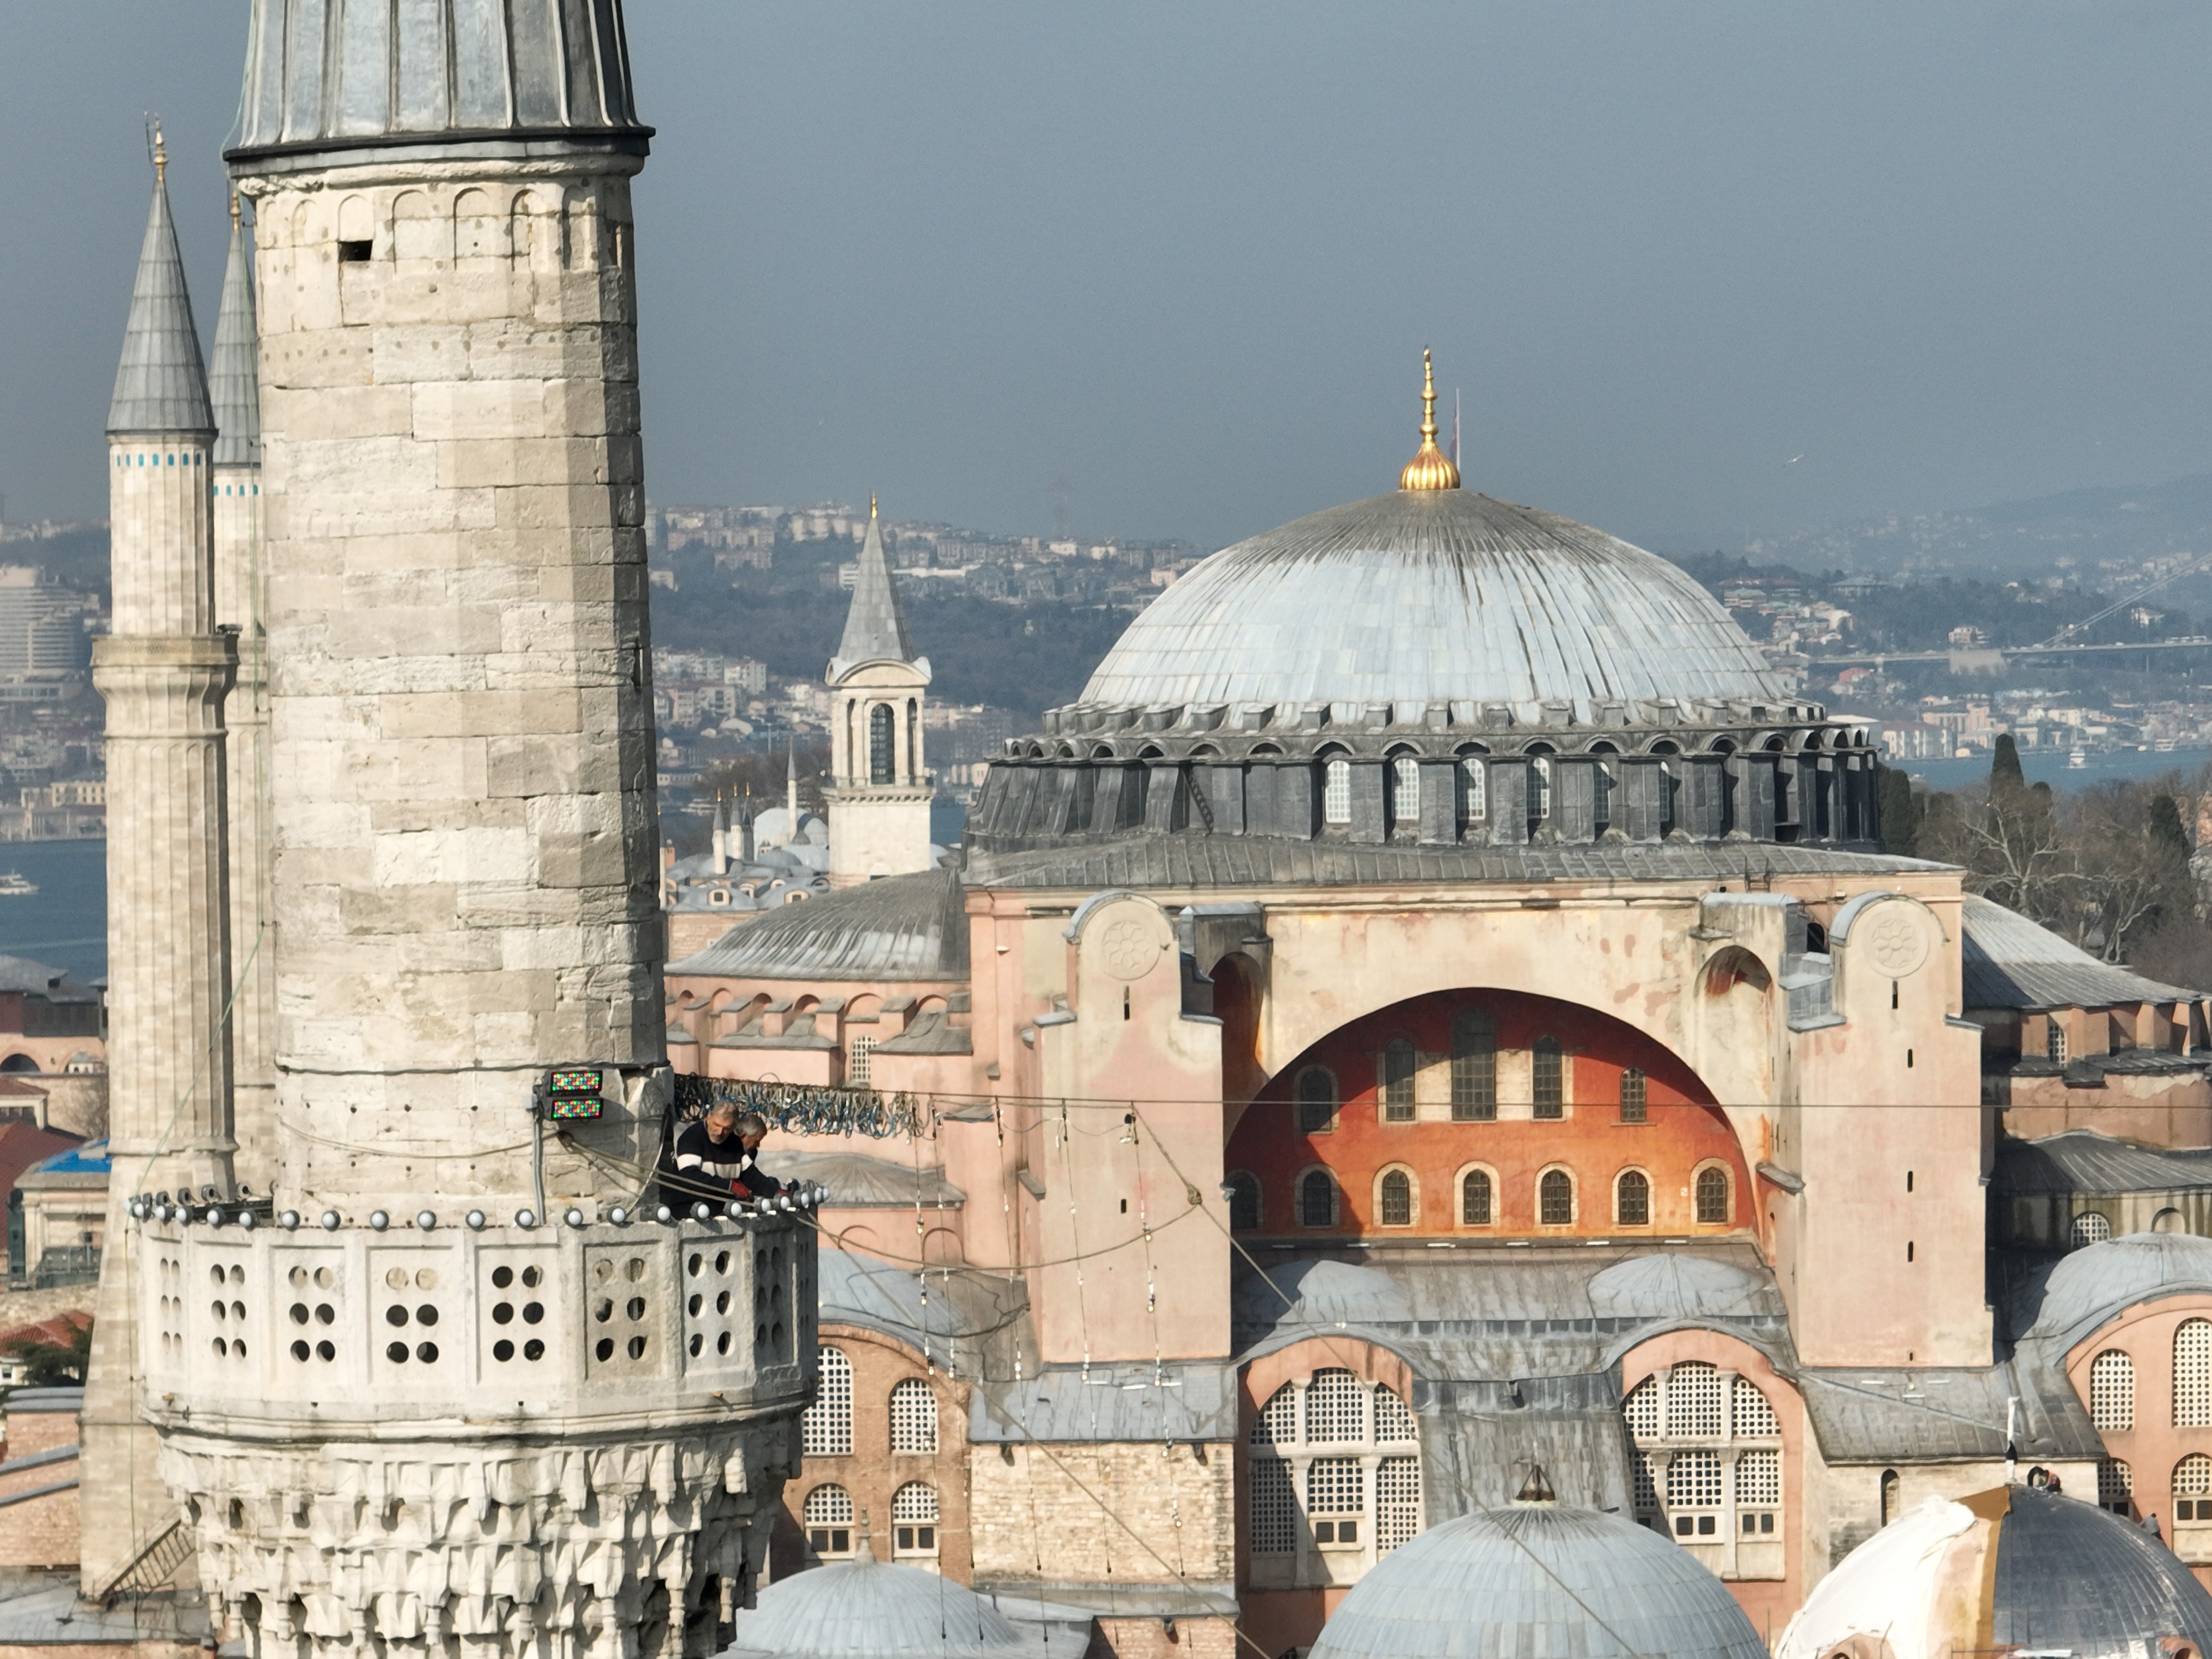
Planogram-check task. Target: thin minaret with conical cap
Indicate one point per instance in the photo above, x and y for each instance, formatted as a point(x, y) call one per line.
point(164, 673)
point(880, 791)
point(234, 385)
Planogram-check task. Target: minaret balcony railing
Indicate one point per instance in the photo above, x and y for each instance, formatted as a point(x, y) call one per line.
point(469, 1327)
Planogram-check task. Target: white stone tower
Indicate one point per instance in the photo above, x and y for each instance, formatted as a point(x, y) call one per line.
point(234, 387)
point(164, 672)
point(880, 792)
point(450, 1394)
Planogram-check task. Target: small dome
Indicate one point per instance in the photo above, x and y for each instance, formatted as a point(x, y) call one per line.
point(773, 828)
point(867, 1610)
point(2048, 1571)
point(2084, 1289)
point(1677, 1287)
point(1539, 1582)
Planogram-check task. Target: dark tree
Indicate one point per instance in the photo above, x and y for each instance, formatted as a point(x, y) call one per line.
point(2004, 765)
point(2165, 824)
point(1901, 811)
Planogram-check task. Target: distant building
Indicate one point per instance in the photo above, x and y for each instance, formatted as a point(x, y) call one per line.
point(41, 625)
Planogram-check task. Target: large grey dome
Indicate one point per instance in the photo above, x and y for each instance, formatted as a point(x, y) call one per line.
point(1432, 596)
point(1539, 1582)
point(867, 1609)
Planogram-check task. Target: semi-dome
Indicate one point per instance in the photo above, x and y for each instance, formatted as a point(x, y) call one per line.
point(1539, 1582)
point(1431, 597)
point(2016, 1567)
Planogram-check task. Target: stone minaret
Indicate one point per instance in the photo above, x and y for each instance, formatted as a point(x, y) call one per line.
point(233, 383)
point(455, 1396)
point(880, 792)
point(164, 673)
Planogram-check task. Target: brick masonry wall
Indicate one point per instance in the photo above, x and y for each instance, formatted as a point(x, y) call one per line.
point(1093, 1514)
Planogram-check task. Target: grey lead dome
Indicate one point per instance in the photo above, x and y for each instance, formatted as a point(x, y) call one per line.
point(1539, 1582)
point(1430, 596)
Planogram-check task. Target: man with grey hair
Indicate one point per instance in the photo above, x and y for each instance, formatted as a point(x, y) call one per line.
point(715, 1157)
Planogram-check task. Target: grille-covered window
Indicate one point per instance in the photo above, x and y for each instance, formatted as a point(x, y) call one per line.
point(1244, 1202)
point(1694, 1481)
point(1713, 1192)
point(1474, 788)
point(913, 1416)
point(1397, 1501)
point(1397, 1198)
point(2192, 1375)
point(1555, 1199)
point(913, 1519)
point(883, 764)
point(1758, 1478)
point(860, 1061)
point(1641, 1410)
point(1547, 1074)
point(1317, 1101)
point(1392, 1420)
point(1644, 1495)
point(828, 1517)
point(2116, 1487)
point(2113, 1390)
point(2054, 1041)
point(2192, 1488)
point(1474, 1068)
point(1336, 1486)
point(1631, 1198)
point(1336, 792)
point(826, 1430)
point(2089, 1228)
point(1539, 780)
point(1475, 1199)
point(1404, 790)
point(1635, 1093)
point(1336, 1408)
point(1317, 1200)
point(1693, 1401)
point(1274, 1507)
point(1397, 1079)
point(1277, 1425)
point(1754, 1416)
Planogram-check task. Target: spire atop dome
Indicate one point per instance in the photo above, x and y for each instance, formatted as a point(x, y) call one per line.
point(875, 627)
point(161, 384)
point(1430, 468)
point(233, 379)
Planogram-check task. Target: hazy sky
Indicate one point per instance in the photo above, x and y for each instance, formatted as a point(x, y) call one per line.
point(1185, 255)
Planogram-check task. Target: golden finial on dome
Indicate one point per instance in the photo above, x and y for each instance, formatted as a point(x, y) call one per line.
point(1430, 468)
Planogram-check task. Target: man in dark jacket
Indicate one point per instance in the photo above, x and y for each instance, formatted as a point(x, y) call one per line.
point(715, 1157)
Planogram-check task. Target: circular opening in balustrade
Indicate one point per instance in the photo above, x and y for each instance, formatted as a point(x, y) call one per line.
point(637, 1309)
point(603, 1349)
point(722, 1303)
point(325, 1278)
point(722, 1343)
point(532, 1312)
point(324, 1314)
point(237, 1311)
point(325, 1351)
point(427, 1353)
point(696, 1262)
point(637, 1347)
point(426, 1278)
point(426, 1314)
point(697, 1343)
point(532, 1279)
point(721, 1261)
point(300, 1351)
point(696, 1303)
point(635, 1269)
point(534, 1349)
point(502, 1277)
point(502, 1313)
point(395, 1315)
point(299, 1313)
point(237, 1348)
point(603, 1310)
point(221, 1347)
point(397, 1353)
point(396, 1279)
point(220, 1310)
point(215, 1274)
point(298, 1275)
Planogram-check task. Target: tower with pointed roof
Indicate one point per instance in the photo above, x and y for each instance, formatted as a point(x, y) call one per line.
point(233, 385)
point(164, 673)
point(880, 789)
point(448, 1390)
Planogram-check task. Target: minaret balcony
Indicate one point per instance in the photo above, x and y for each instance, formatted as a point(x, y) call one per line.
point(247, 1325)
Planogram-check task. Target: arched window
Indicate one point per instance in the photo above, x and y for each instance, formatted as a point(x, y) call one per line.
point(883, 743)
point(1753, 1412)
point(1336, 792)
point(1244, 1202)
point(2192, 1375)
point(1693, 1401)
point(2192, 1488)
point(913, 1416)
point(1758, 1491)
point(2054, 1041)
point(1336, 1408)
point(1277, 1425)
point(2116, 1487)
point(1712, 1194)
point(1316, 1199)
point(1474, 788)
point(1397, 1501)
point(860, 1061)
point(2112, 1391)
point(1393, 1422)
point(828, 1517)
point(1634, 1097)
point(1317, 1101)
point(1540, 779)
point(1893, 1496)
point(1397, 1069)
point(1555, 1199)
point(1473, 1067)
point(913, 1519)
point(2089, 1228)
point(1475, 1199)
point(1631, 1198)
point(1405, 792)
point(1395, 1196)
point(826, 1430)
point(1547, 1077)
point(1641, 1410)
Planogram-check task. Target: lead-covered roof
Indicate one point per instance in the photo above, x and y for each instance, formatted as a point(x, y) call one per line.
point(161, 384)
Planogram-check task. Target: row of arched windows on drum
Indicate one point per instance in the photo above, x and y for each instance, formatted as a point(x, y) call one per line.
point(1557, 1201)
point(1469, 789)
point(1474, 1081)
